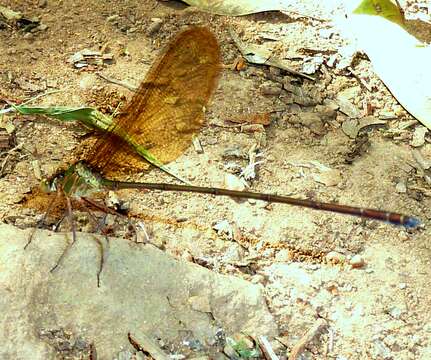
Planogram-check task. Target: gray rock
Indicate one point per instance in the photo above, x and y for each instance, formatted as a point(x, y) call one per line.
point(142, 290)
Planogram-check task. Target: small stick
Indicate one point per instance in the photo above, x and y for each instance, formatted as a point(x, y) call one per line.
point(360, 80)
point(100, 207)
point(319, 326)
point(266, 348)
point(279, 64)
point(118, 82)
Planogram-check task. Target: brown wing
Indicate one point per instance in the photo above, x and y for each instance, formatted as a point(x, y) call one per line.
point(168, 108)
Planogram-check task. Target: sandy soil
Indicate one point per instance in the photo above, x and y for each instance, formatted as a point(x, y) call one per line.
point(303, 258)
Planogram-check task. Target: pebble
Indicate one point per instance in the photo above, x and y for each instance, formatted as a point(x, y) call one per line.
point(401, 187)
point(357, 262)
point(233, 182)
point(233, 254)
point(403, 236)
point(155, 26)
point(332, 287)
point(419, 136)
point(395, 312)
point(270, 88)
point(335, 257)
point(28, 36)
point(312, 267)
point(274, 70)
point(112, 18)
point(294, 109)
point(312, 121)
point(326, 112)
point(42, 27)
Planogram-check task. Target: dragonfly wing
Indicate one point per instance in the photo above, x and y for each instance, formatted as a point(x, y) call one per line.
point(168, 108)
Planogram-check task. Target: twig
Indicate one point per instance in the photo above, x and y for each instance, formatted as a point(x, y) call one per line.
point(242, 47)
point(266, 348)
point(118, 82)
point(146, 345)
point(360, 80)
point(279, 64)
point(307, 338)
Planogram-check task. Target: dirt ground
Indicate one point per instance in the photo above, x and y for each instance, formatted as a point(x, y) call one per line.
point(368, 280)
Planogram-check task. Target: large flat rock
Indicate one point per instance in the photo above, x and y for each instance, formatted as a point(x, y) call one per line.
point(142, 291)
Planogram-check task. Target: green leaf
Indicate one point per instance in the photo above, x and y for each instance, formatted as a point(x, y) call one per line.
point(384, 8)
